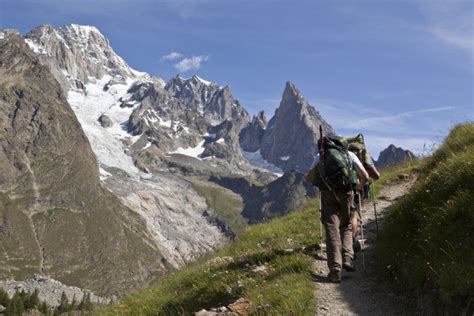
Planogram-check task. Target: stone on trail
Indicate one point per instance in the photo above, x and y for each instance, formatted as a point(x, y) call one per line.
point(242, 306)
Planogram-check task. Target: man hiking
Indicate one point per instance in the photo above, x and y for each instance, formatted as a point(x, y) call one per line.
point(356, 144)
point(337, 171)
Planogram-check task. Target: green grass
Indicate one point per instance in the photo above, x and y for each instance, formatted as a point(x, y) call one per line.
point(285, 285)
point(390, 175)
point(427, 244)
point(226, 206)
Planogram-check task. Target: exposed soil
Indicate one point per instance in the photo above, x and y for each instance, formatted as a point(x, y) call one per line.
point(360, 292)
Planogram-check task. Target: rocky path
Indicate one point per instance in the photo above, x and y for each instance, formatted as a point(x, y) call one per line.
point(360, 293)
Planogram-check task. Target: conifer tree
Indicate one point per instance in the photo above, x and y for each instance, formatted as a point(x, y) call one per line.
point(63, 304)
point(16, 305)
point(56, 312)
point(4, 299)
point(85, 304)
point(73, 305)
point(33, 300)
point(44, 308)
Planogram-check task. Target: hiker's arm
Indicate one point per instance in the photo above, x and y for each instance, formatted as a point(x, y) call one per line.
point(361, 172)
point(373, 172)
point(363, 177)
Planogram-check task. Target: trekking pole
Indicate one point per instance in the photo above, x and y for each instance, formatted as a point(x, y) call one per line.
point(320, 225)
point(321, 159)
point(359, 205)
point(375, 207)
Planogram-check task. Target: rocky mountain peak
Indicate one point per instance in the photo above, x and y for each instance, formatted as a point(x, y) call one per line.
point(260, 119)
point(215, 103)
point(4, 33)
point(393, 155)
point(250, 137)
point(291, 93)
point(77, 53)
point(50, 189)
point(291, 136)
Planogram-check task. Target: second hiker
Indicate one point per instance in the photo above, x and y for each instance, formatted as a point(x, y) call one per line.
point(336, 172)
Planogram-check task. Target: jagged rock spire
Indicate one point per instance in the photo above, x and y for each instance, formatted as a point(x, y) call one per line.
point(290, 139)
point(250, 137)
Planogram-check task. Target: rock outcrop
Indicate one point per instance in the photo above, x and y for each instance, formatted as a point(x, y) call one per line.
point(393, 155)
point(283, 195)
point(251, 136)
point(75, 53)
point(55, 216)
point(184, 113)
point(49, 290)
point(290, 140)
point(105, 121)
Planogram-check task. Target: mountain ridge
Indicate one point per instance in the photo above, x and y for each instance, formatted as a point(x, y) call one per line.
point(51, 196)
point(393, 155)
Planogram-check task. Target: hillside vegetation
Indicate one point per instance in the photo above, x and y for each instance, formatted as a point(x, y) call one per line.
point(227, 206)
point(255, 267)
point(426, 246)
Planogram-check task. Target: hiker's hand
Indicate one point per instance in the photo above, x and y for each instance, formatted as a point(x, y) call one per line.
point(360, 187)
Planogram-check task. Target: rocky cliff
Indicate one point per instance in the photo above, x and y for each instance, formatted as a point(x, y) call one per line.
point(251, 136)
point(116, 107)
point(290, 140)
point(74, 53)
point(277, 198)
point(393, 156)
point(55, 216)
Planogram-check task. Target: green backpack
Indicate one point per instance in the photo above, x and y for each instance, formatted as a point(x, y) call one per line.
point(335, 172)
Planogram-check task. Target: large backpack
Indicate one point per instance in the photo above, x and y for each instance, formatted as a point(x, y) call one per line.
point(356, 144)
point(334, 170)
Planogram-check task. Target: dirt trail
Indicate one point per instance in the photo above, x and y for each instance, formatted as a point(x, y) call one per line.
point(359, 293)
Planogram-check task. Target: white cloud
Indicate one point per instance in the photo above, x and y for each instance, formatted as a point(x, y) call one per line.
point(416, 130)
point(192, 63)
point(382, 123)
point(188, 8)
point(451, 22)
point(171, 56)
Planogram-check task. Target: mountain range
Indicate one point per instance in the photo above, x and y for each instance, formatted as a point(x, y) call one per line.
point(100, 162)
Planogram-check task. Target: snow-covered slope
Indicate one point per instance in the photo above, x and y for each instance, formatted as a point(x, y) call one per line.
point(256, 160)
point(99, 85)
point(107, 143)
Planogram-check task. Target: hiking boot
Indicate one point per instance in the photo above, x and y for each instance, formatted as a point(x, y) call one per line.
point(334, 276)
point(349, 265)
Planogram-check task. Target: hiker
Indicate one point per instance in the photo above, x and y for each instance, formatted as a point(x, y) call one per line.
point(356, 145)
point(336, 173)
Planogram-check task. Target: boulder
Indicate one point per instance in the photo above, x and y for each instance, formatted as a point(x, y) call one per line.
point(105, 121)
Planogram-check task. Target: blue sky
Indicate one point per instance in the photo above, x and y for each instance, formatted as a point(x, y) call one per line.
point(401, 72)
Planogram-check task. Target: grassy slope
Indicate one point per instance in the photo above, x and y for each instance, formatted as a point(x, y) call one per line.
point(286, 285)
point(226, 205)
point(428, 240)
